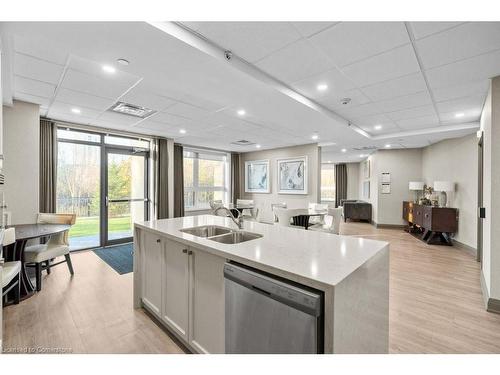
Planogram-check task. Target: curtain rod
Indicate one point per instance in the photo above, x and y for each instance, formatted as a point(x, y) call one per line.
point(98, 129)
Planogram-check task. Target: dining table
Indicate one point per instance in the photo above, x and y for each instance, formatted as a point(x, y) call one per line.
point(15, 252)
point(303, 220)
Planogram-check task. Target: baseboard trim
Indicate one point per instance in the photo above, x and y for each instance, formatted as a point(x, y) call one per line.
point(462, 246)
point(491, 304)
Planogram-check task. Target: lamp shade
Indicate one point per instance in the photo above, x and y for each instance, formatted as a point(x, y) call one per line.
point(416, 185)
point(444, 186)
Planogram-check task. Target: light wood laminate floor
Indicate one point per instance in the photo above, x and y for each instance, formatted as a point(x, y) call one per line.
point(435, 305)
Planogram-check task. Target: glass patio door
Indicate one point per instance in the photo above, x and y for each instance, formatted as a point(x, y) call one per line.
point(126, 194)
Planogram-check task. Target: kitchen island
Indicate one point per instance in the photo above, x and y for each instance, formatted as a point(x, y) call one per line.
point(179, 279)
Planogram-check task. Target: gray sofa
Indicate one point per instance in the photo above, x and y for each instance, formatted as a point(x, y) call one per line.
point(354, 209)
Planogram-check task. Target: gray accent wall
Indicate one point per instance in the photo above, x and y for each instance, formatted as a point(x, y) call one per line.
point(262, 200)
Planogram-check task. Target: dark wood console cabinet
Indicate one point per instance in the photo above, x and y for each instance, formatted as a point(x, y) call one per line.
point(433, 224)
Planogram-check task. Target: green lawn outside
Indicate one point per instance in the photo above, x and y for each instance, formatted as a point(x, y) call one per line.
point(88, 226)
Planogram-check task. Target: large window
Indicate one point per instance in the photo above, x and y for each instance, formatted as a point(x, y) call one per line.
point(328, 182)
point(205, 179)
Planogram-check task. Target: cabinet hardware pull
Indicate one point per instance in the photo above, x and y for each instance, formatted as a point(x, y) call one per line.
point(158, 240)
point(184, 251)
point(190, 252)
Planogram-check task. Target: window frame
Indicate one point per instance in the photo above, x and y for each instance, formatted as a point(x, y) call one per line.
point(332, 167)
point(196, 188)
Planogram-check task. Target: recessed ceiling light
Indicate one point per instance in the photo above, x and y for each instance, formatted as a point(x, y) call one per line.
point(362, 155)
point(182, 131)
point(322, 87)
point(241, 112)
point(377, 127)
point(76, 110)
point(329, 161)
point(109, 69)
point(257, 146)
point(458, 115)
point(344, 150)
point(314, 136)
point(123, 62)
point(387, 146)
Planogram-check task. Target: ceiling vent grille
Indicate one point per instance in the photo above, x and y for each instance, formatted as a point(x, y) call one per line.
point(132, 110)
point(243, 142)
point(365, 148)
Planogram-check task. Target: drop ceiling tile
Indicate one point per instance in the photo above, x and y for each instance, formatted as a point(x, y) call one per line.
point(337, 82)
point(359, 111)
point(39, 48)
point(386, 129)
point(157, 126)
point(371, 121)
point(470, 70)
point(146, 99)
point(294, 62)
point(464, 41)
point(463, 90)
point(306, 29)
point(333, 100)
point(30, 86)
point(462, 104)
point(202, 102)
point(418, 122)
point(250, 40)
point(65, 108)
point(93, 85)
point(43, 102)
point(423, 29)
point(77, 98)
point(169, 119)
point(395, 63)
point(426, 110)
point(348, 42)
point(405, 85)
point(187, 111)
point(30, 67)
point(470, 115)
point(405, 102)
point(118, 119)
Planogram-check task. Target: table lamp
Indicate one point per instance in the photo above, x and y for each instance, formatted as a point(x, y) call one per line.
point(443, 187)
point(416, 186)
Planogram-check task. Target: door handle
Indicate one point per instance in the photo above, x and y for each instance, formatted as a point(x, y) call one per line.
point(482, 212)
point(107, 201)
point(190, 252)
point(185, 251)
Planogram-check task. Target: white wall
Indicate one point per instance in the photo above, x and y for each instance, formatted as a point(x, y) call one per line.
point(263, 201)
point(352, 180)
point(455, 160)
point(21, 139)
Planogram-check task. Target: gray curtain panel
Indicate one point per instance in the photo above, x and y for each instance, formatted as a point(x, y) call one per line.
point(178, 181)
point(161, 183)
point(340, 183)
point(48, 166)
point(235, 177)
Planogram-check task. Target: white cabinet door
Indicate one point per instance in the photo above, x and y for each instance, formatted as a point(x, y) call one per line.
point(206, 334)
point(176, 288)
point(152, 260)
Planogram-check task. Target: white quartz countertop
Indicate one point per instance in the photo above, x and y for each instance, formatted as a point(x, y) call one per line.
point(299, 254)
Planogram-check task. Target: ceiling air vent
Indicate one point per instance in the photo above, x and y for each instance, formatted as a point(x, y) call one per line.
point(365, 148)
point(243, 142)
point(132, 110)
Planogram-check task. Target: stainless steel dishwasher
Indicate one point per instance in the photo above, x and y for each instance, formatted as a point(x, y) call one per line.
point(265, 314)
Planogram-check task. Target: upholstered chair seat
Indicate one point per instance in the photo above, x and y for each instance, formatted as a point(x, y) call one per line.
point(41, 253)
point(11, 271)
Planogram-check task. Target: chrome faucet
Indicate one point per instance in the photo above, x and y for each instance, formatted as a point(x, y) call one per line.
point(238, 221)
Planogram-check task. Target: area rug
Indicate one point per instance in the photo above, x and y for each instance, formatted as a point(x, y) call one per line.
point(119, 258)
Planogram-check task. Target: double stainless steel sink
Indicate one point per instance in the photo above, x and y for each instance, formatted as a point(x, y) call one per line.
point(221, 234)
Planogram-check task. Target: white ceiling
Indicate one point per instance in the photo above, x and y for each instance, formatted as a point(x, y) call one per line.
point(405, 77)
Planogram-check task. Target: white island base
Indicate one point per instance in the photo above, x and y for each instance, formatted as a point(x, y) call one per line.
point(178, 278)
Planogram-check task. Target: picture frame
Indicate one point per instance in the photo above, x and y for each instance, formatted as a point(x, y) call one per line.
point(257, 176)
point(292, 175)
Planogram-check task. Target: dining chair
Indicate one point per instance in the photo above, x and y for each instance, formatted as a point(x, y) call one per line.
point(40, 256)
point(317, 207)
point(335, 214)
point(246, 211)
point(277, 205)
point(285, 215)
point(11, 275)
